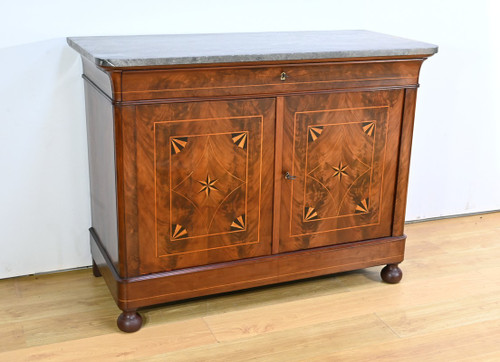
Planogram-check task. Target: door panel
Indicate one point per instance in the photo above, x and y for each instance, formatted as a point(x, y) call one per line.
point(205, 182)
point(342, 150)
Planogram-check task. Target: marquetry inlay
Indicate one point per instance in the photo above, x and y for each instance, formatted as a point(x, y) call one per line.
point(179, 231)
point(340, 170)
point(310, 214)
point(369, 127)
point(205, 181)
point(208, 185)
point(338, 159)
point(178, 144)
point(314, 133)
point(339, 167)
point(240, 139)
point(238, 223)
point(362, 206)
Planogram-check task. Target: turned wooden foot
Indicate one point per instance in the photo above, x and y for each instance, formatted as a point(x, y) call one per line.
point(95, 269)
point(391, 274)
point(129, 321)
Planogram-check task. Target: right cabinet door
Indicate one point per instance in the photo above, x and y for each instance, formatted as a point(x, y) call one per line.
point(342, 149)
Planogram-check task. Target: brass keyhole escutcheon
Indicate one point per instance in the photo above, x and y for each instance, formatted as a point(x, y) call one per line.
point(283, 76)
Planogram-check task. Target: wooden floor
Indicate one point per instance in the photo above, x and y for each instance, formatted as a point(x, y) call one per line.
point(446, 308)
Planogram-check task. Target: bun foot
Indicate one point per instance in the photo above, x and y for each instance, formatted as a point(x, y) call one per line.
point(129, 321)
point(95, 270)
point(391, 274)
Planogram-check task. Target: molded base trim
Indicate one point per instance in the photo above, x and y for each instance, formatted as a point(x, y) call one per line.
point(146, 290)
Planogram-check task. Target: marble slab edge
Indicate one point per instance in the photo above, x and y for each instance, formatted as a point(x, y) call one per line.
point(119, 60)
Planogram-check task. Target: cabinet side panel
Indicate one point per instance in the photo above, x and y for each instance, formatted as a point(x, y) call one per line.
point(98, 77)
point(100, 133)
point(404, 162)
point(108, 82)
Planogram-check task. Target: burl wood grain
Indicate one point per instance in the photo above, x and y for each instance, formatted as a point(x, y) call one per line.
point(204, 182)
point(342, 149)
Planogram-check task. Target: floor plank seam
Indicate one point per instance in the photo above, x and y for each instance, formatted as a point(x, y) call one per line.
point(388, 326)
point(211, 331)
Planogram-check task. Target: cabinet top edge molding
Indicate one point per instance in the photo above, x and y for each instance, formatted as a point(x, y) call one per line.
point(184, 49)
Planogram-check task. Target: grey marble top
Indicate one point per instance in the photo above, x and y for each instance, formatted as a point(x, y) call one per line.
point(148, 50)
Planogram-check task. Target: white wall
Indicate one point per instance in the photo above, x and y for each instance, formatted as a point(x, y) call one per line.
point(44, 191)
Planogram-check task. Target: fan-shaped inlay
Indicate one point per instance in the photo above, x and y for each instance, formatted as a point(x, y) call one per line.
point(240, 139)
point(179, 231)
point(362, 206)
point(310, 213)
point(368, 128)
point(314, 133)
point(238, 223)
point(178, 144)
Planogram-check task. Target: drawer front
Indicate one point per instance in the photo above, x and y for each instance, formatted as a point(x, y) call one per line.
point(342, 150)
point(227, 81)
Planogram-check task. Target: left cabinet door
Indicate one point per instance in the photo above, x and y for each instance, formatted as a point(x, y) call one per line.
point(202, 187)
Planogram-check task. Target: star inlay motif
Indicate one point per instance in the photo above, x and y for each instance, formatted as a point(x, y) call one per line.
point(208, 185)
point(339, 171)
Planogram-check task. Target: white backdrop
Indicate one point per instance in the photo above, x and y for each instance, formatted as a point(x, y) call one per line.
point(44, 190)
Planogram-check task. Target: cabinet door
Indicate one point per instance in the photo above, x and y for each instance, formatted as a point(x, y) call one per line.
point(342, 149)
point(204, 181)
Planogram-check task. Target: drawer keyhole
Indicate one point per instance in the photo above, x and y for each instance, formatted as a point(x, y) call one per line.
point(283, 76)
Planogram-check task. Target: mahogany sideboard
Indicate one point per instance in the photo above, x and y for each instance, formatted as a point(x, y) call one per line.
point(221, 162)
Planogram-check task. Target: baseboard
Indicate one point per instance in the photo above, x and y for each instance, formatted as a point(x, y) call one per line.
point(451, 216)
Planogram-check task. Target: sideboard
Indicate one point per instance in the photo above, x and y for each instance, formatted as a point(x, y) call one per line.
point(221, 162)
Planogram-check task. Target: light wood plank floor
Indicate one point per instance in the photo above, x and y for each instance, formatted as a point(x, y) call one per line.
point(447, 308)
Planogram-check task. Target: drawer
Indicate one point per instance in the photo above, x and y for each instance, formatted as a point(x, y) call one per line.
point(140, 85)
